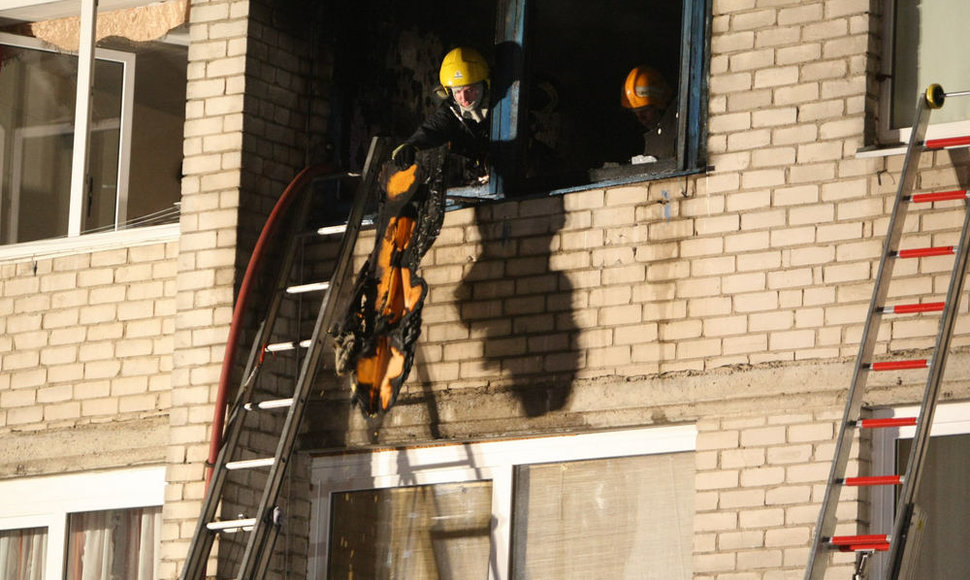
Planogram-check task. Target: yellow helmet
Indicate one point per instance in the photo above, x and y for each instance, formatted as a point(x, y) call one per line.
point(645, 86)
point(463, 66)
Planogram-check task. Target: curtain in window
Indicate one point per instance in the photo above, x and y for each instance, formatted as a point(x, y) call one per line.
point(628, 517)
point(22, 554)
point(113, 544)
point(432, 531)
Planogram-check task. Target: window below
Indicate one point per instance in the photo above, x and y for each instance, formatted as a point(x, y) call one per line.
point(134, 140)
point(89, 525)
point(568, 516)
point(423, 531)
point(557, 73)
point(923, 40)
point(22, 553)
point(942, 494)
point(607, 503)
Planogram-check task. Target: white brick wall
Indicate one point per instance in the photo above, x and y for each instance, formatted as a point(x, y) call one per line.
point(764, 262)
point(85, 338)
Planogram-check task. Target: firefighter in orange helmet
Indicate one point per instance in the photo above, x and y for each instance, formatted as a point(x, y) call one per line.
point(647, 94)
point(462, 118)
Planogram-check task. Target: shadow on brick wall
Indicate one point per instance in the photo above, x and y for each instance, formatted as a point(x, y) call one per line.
point(521, 309)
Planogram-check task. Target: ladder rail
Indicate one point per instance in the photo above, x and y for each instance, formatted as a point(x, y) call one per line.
point(228, 438)
point(825, 526)
point(202, 540)
point(934, 382)
point(262, 538)
point(201, 545)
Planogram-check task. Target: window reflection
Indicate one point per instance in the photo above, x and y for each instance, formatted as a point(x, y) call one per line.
point(432, 531)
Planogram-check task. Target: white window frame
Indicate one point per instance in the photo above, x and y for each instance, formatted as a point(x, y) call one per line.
point(948, 419)
point(467, 462)
point(74, 243)
point(78, 186)
point(46, 502)
point(887, 135)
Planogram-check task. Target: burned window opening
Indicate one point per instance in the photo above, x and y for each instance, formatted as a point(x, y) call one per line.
point(558, 71)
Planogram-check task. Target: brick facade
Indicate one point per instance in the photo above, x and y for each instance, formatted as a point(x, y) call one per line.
point(733, 299)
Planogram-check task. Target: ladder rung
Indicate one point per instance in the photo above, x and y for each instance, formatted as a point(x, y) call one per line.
point(896, 365)
point(250, 463)
point(927, 252)
point(878, 542)
point(872, 480)
point(876, 547)
point(332, 230)
point(890, 422)
point(939, 196)
point(231, 525)
point(341, 228)
point(914, 308)
point(269, 404)
point(283, 346)
point(947, 142)
point(311, 287)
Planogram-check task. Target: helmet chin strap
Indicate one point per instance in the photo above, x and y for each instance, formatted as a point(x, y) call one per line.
point(475, 113)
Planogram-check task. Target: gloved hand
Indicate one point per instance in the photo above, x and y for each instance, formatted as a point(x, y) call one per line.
point(403, 156)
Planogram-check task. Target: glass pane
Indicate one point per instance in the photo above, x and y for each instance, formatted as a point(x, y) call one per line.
point(928, 35)
point(431, 531)
point(22, 553)
point(37, 90)
point(628, 517)
point(100, 205)
point(114, 544)
point(37, 96)
point(154, 182)
point(943, 497)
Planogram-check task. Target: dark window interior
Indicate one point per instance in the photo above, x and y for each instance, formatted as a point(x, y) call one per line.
point(571, 58)
point(586, 49)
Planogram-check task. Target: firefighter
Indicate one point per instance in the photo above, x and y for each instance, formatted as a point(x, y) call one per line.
point(647, 94)
point(462, 118)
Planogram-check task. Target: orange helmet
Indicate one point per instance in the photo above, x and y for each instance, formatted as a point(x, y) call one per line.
point(645, 86)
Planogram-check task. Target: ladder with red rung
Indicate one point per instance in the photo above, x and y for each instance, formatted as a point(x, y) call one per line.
point(901, 541)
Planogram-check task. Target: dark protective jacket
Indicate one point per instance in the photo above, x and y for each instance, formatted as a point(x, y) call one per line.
point(468, 138)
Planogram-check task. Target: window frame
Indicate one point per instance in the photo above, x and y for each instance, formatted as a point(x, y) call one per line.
point(78, 186)
point(466, 462)
point(120, 234)
point(55, 497)
point(948, 419)
point(507, 113)
point(886, 135)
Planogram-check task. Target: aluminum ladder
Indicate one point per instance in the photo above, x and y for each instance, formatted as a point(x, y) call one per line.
point(902, 542)
point(253, 409)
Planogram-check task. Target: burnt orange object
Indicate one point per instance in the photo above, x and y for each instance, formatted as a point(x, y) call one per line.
point(375, 342)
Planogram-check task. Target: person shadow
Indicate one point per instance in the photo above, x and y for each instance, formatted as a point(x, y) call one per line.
point(513, 300)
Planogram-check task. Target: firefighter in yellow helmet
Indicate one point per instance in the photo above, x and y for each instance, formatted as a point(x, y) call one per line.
point(647, 94)
point(462, 118)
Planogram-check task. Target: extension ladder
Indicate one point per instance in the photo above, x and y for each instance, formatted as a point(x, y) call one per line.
point(256, 412)
point(901, 543)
